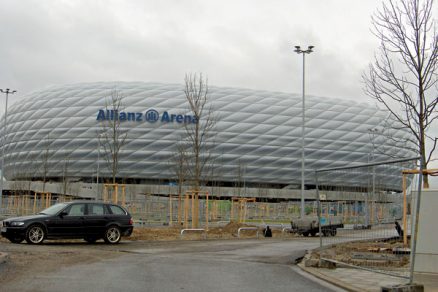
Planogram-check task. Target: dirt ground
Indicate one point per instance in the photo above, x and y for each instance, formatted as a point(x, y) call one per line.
point(167, 233)
point(228, 231)
point(389, 254)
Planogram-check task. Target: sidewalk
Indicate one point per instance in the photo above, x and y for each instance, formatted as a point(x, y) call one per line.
point(352, 279)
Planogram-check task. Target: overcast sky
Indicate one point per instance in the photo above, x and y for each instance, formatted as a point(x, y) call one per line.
point(235, 43)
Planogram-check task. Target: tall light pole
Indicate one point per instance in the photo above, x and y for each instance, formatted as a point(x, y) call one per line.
point(373, 132)
point(298, 50)
point(98, 158)
point(6, 92)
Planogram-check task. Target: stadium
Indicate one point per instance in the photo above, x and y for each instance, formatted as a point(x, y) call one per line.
point(52, 135)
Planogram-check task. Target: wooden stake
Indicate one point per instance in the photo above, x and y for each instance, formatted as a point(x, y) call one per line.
point(170, 210)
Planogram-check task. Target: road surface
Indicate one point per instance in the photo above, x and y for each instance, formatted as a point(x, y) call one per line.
point(233, 265)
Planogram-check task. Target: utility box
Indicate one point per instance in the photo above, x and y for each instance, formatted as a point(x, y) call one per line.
point(426, 258)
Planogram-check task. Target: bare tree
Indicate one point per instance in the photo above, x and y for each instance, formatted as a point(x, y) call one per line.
point(198, 140)
point(387, 140)
point(403, 76)
point(112, 135)
point(199, 133)
point(65, 181)
point(179, 166)
point(18, 186)
point(240, 178)
point(45, 161)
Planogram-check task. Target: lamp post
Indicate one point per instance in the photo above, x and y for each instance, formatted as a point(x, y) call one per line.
point(298, 50)
point(97, 172)
point(373, 132)
point(6, 92)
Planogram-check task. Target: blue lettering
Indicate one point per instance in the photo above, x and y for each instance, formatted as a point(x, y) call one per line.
point(187, 119)
point(100, 115)
point(150, 116)
point(131, 116)
point(165, 117)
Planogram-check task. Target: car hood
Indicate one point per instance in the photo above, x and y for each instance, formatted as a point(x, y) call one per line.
point(25, 218)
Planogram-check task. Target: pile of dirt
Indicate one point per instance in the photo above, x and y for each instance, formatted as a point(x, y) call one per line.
point(156, 233)
point(228, 231)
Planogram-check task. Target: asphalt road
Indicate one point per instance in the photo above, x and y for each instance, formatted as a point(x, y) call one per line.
point(235, 265)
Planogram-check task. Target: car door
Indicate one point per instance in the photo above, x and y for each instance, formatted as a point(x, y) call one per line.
point(96, 219)
point(72, 223)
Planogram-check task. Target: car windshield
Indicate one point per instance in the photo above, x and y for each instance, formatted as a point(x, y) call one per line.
point(53, 209)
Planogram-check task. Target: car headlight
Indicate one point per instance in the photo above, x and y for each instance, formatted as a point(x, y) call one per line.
point(17, 223)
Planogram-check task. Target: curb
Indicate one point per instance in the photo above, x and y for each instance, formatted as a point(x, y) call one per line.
point(3, 257)
point(330, 280)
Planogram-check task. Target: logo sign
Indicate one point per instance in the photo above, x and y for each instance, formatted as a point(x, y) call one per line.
point(151, 116)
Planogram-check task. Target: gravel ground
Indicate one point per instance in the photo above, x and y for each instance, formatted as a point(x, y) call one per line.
point(24, 259)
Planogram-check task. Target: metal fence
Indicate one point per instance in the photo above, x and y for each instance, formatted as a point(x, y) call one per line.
point(162, 210)
point(370, 232)
point(151, 210)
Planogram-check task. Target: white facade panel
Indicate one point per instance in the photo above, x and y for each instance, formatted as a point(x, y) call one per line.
point(257, 129)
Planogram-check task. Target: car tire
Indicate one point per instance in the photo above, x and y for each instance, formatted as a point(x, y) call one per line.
point(90, 239)
point(16, 239)
point(112, 235)
point(35, 234)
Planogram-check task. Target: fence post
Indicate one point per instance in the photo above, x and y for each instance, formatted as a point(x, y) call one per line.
point(318, 209)
point(414, 227)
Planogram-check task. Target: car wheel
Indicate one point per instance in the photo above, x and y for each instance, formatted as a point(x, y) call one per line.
point(35, 234)
point(305, 234)
point(90, 239)
point(16, 239)
point(112, 235)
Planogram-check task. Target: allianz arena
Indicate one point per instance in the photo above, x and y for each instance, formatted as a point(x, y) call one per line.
point(258, 130)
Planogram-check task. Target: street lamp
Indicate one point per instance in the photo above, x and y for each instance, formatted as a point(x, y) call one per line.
point(373, 132)
point(7, 92)
point(298, 50)
point(98, 158)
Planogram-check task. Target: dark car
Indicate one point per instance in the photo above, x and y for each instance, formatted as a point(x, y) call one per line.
point(90, 220)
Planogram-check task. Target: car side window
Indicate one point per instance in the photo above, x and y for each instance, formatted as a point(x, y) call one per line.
point(96, 209)
point(76, 210)
point(117, 210)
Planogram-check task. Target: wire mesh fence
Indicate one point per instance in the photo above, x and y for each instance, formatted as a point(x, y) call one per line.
point(371, 231)
point(170, 210)
point(25, 204)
